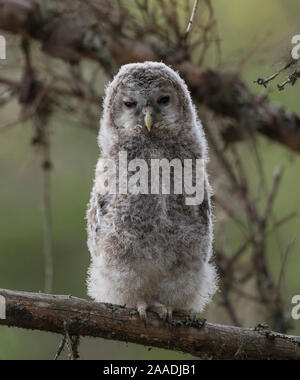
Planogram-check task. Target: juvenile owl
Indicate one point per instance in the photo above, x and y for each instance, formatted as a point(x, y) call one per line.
point(151, 247)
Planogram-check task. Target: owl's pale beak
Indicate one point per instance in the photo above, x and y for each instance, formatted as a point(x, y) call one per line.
point(148, 119)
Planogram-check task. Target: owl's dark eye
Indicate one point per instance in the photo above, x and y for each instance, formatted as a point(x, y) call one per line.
point(130, 104)
point(163, 100)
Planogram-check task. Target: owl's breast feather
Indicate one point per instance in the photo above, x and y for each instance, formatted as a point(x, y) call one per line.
point(152, 228)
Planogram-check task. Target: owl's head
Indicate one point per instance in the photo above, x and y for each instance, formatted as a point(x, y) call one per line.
point(149, 99)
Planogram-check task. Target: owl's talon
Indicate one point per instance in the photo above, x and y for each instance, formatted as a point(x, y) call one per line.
point(143, 314)
point(163, 314)
point(170, 314)
point(161, 310)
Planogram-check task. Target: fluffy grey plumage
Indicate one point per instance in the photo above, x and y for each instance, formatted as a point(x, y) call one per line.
point(150, 251)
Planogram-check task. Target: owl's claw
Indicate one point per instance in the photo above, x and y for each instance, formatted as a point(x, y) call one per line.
point(165, 313)
point(162, 311)
point(170, 314)
point(143, 314)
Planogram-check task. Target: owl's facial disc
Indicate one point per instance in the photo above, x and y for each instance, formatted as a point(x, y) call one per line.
point(149, 111)
point(151, 107)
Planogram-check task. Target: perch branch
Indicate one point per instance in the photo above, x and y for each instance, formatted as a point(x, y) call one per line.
point(85, 318)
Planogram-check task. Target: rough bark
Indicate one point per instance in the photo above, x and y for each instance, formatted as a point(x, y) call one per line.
point(224, 93)
point(53, 313)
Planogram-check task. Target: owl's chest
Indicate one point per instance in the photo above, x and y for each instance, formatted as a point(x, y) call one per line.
point(149, 215)
point(152, 181)
point(152, 228)
point(153, 219)
point(152, 149)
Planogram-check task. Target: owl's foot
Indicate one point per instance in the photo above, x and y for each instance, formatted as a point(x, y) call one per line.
point(142, 310)
point(170, 314)
point(164, 312)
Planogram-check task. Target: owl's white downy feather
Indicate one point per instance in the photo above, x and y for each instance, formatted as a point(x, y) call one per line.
point(150, 250)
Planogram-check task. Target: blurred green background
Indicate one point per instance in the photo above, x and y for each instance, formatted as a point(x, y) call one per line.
point(255, 30)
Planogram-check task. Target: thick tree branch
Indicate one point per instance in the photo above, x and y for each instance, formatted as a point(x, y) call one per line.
point(52, 313)
point(224, 93)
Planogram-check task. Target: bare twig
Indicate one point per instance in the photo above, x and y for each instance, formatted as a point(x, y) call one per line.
point(60, 348)
point(292, 79)
point(195, 7)
point(283, 265)
point(72, 343)
point(264, 82)
point(47, 220)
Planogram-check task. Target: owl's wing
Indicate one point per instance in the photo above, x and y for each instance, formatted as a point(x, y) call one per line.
point(204, 212)
point(204, 209)
point(96, 210)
